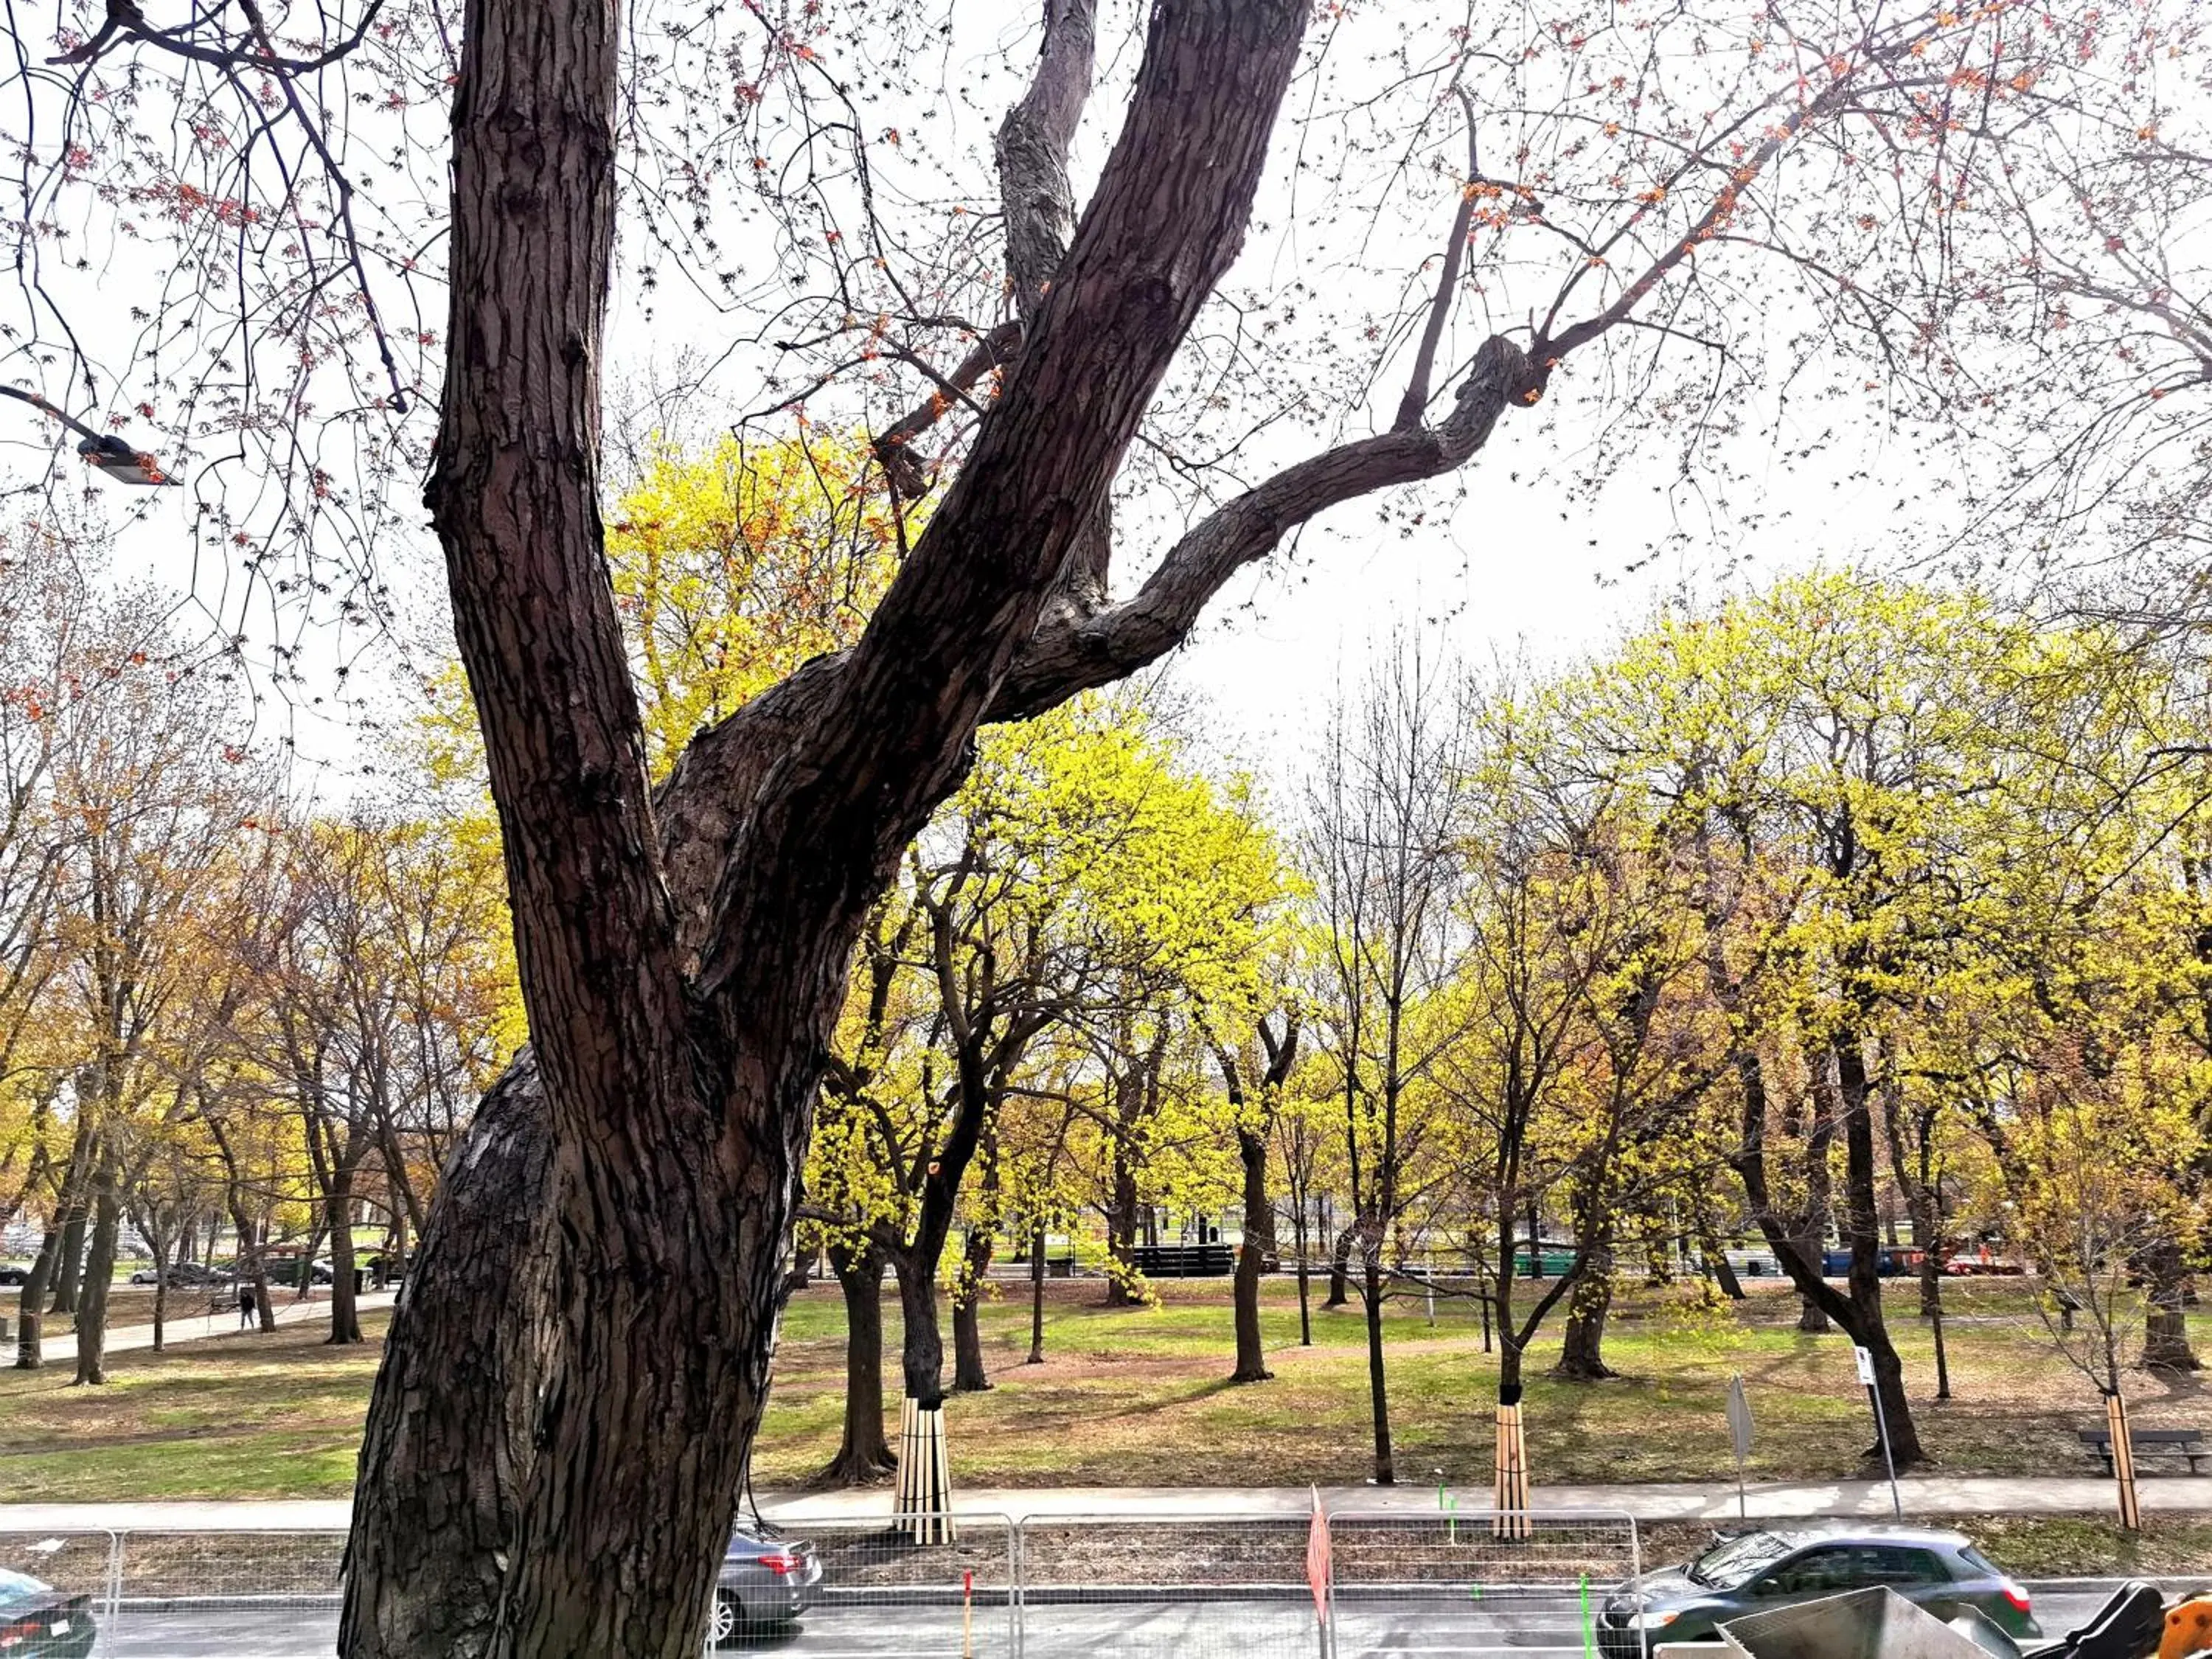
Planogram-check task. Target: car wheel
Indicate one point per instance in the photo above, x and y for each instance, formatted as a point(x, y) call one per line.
point(727, 1618)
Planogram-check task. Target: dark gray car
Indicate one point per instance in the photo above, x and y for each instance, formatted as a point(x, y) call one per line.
point(1772, 1567)
point(765, 1584)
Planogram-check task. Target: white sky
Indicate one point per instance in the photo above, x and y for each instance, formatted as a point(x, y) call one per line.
point(1497, 570)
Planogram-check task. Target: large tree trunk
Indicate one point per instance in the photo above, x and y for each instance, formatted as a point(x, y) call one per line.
point(1814, 1215)
point(68, 1262)
point(450, 1437)
point(680, 1003)
point(1252, 1258)
point(922, 1347)
point(2166, 1317)
point(970, 1375)
point(863, 1455)
point(30, 1352)
point(1859, 1313)
point(345, 1312)
point(1869, 1330)
point(99, 1270)
point(1339, 1269)
point(1121, 1231)
point(1582, 1350)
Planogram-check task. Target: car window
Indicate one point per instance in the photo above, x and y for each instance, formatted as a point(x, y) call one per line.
point(1817, 1570)
point(1890, 1564)
point(1979, 1562)
point(1730, 1564)
point(17, 1588)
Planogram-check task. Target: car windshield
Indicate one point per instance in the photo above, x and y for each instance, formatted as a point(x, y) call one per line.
point(18, 1588)
point(1736, 1561)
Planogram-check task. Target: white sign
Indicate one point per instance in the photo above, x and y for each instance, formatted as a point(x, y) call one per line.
point(1866, 1366)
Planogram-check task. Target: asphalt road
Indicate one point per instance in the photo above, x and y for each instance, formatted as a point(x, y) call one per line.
point(1127, 1630)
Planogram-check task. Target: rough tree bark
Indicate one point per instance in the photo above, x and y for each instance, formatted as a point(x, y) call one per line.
point(2166, 1317)
point(1582, 1346)
point(449, 1442)
point(864, 1454)
point(682, 961)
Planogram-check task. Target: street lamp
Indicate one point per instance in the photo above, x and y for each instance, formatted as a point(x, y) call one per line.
point(102, 451)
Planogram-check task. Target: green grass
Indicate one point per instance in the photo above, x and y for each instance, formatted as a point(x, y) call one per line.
point(1140, 1396)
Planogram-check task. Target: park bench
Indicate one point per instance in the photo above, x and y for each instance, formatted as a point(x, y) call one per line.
point(2182, 1442)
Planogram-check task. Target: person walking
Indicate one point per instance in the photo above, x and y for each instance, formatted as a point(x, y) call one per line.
point(246, 1308)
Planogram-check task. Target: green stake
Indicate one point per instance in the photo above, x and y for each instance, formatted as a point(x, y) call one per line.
point(1589, 1638)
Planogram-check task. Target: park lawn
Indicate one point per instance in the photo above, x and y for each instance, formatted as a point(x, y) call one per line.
point(244, 1415)
point(1138, 1397)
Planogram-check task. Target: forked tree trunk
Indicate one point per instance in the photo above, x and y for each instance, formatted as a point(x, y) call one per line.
point(1581, 1348)
point(864, 1454)
point(99, 1271)
point(681, 999)
point(1252, 1258)
point(68, 1262)
point(2166, 1317)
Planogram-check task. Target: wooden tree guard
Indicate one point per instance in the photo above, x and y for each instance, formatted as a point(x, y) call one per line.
point(1510, 1497)
point(2123, 1461)
point(925, 1474)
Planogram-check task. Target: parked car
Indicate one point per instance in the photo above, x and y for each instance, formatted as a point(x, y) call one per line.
point(14, 1275)
point(1756, 1572)
point(765, 1583)
point(182, 1275)
point(38, 1622)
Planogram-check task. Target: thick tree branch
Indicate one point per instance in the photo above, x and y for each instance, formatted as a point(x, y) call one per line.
point(895, 731)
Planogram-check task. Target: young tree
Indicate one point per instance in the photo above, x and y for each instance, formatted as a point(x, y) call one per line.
point(1384, 815)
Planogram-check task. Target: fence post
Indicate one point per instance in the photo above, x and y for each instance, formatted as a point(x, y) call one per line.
point(111, 1612)
point(1017, 1576)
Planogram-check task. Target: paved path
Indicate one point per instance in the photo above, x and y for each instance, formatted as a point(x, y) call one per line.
point(192, 1326)
point(1923, 1495)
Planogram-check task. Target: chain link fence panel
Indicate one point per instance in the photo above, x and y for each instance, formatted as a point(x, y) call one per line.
point(1231, 1587)
point(1480, 1582)
point(56, 1588)
point(182, 1594)
point(956, 1599)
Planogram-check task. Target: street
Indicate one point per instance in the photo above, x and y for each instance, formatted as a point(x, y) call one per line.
point(1435, 1629)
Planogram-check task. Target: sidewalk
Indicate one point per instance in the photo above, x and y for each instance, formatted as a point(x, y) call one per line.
point(1923, 1495)
point(61, 1350)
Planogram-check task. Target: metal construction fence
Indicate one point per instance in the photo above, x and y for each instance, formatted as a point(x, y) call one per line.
point(1226, 1586)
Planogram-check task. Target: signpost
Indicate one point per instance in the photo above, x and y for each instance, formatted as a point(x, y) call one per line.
point(1881, 1427)
point(1739, 1419)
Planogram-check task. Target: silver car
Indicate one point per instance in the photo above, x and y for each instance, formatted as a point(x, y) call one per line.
point(1774, 1566)
point(765, 1583)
